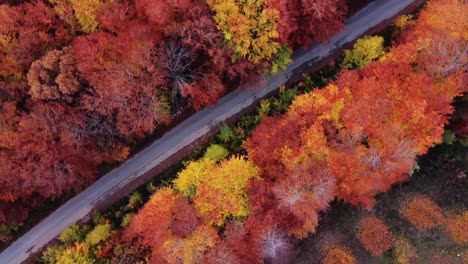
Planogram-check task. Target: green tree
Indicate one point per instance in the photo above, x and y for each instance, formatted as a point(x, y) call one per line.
point(71, 234)
point(99, 233)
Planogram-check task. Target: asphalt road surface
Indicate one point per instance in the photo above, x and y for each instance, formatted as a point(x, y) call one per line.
point(136, 170)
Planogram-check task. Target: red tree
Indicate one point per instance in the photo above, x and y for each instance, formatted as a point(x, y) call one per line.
point(374, 235)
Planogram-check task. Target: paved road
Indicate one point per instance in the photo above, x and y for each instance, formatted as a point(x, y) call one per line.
point(139, 168)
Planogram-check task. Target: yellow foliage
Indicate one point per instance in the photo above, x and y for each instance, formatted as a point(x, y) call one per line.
point(405, 252)
point(85, 12)
point(248, 27)
point(223, 192)
point(193, 175)
point(326, 103)
point(79, 253)
point(218, 190)
point(365, 50)
point(192, 248)
point(402, 21)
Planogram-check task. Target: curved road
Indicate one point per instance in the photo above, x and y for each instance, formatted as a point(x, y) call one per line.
point(120, 181)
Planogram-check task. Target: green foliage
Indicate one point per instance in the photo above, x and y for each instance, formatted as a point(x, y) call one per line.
point(135, 200)
point(79, 253)
point(365, 50)
point(100, 233)
point(449, 137)
point(264, 108)
point(50, 254)
point(216, 152)
point(284, 100)
point(126, 220)
point(150, 188)
point(96, 217)
point(6, 231)
point(282, 59)
point(71, 234)
point(225, 133)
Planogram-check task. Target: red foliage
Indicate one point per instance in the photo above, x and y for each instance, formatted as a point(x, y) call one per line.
point(122, 79)
point(29, 31)
point(42, 155)
point(160, 13)
point(457, 226)
point(422, 212)
point(184, 219)
point(302, 22)
point(156, 213)
point(374, 235)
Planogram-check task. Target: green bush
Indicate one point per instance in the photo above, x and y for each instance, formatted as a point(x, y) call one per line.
point(135, 200)
point(98, 234)
point(126, 220)
point(71, 234)
point(79, 253)
point(216, 152)
point(7, 231)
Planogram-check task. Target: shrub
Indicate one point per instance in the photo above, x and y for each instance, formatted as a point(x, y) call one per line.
point(79, 253)
point(404, 251)
point(374, 235)
point(126, 220)
point(457, 228)
point(135, 200)
point(216, 152)
point(422, 212)
point(71, 234)
point(6, 231)
point(337, 254)
point(98, 234)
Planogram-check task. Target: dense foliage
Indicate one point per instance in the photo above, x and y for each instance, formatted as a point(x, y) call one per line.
point(81, 81)
point(352, 140)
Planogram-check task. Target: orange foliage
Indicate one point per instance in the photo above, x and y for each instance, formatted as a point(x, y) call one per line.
point(422, 212)
point(374, 235)
point(457, 228)
point(337, 254)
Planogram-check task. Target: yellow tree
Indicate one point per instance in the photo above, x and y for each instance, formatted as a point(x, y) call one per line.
point(218, 191)
point(248, 26)
point(365, 50)
point(82, 12)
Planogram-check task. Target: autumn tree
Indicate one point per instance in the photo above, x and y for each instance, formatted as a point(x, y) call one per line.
point(42, 155)
point(218, 191)
point(456, 227)
point(249, 27)
point(170, 225)
point(27, 32)
point(82, 13)
point(365, 50)
point(422, 212)
point(54, 77)
point(338, 254)
point(207, 67)
point(124, 84)
point(301, 22)
point(374, 235)
point(404, 251)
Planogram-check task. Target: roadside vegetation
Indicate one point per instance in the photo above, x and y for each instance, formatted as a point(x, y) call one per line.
point(84, 84)
point(352, 165)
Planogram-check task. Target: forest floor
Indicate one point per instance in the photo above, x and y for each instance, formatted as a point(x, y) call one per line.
point(442, 176)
